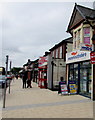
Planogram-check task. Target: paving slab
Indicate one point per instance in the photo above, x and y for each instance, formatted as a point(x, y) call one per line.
point(44, 103)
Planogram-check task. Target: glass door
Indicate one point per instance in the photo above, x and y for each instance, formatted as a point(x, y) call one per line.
point(85, 79)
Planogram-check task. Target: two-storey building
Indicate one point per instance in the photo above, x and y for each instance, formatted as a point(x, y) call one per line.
point(79, 69)
point(56, 67)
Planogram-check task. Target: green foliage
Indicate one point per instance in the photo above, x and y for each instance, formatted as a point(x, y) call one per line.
point(15, 70)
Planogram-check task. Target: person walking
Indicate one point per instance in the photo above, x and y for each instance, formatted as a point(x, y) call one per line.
point(24, 78)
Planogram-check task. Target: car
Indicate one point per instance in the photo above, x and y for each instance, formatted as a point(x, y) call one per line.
point(9, 79)
point(3, 79)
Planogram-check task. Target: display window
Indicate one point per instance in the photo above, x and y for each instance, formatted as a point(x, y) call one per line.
point(80, 73)
point(85, 78)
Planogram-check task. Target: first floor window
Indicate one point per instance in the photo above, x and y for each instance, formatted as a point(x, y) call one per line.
point(86, 36)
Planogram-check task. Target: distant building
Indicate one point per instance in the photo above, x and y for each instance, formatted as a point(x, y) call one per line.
point(2, 71)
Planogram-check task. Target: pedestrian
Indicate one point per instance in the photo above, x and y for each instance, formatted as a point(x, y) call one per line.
point(24, 78)
point(16, 76)
point(29, 79)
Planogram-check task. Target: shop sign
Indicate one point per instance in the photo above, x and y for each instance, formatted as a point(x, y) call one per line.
point(92, 56)
point(42, 61)
point(77, 56)
point(64, 89)
point(86, 47)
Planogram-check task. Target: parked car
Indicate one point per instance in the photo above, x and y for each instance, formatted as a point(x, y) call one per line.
point(9, 79)
point(2, 81)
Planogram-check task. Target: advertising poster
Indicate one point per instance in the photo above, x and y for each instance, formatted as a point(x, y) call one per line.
point(64, 89)
point(73, 88)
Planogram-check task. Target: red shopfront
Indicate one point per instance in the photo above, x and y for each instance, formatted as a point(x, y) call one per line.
point(42, 73)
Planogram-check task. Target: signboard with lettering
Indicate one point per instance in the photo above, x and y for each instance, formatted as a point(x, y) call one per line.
point(42, 61)
point(77, 56)
point(64, 89)
point(86, 47)
point(92, 56)
point(72, 87)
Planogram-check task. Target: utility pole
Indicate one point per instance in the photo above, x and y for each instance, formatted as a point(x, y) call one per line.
point(4, 97)
point(10, 65)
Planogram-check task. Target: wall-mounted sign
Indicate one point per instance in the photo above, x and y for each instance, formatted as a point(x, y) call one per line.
point(86, 47)
point(76, 56)
point(92, 56)
point(42, 61)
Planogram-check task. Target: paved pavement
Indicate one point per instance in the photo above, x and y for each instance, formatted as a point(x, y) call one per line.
point(43, 103)
point(0, 93)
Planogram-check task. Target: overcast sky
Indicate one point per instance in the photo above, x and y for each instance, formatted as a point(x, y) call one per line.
point(29, 29)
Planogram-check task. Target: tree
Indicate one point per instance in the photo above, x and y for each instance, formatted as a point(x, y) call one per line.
point(15, 70)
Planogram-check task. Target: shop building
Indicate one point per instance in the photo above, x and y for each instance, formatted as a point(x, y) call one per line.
point(42, 72)
point(79, 68)
point(56, 67)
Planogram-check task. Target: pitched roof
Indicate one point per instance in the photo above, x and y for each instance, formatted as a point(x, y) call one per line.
point(80, 13)
point(86, 12)
point(68, 40)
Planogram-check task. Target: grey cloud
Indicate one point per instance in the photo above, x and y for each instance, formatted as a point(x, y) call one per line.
point(30, 29)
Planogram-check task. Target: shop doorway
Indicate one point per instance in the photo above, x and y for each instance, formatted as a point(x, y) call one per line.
point(80, 74)
point(85, 79)
point(74, 74)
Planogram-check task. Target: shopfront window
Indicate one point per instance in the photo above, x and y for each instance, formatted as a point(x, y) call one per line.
point(81, 74)
point(73, 74)
point(85, 78)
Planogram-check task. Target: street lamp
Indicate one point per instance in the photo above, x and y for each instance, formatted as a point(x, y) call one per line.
point(4, 97)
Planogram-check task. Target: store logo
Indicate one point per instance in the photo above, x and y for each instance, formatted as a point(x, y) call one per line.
point(77, 56)
point(73, 53)
point(86, 47)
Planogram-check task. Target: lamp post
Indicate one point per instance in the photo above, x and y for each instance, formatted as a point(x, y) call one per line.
point(10, 74)
point(4, 97)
